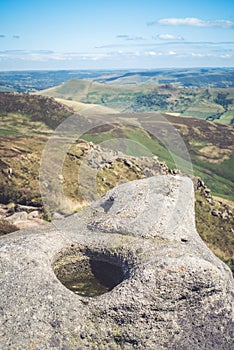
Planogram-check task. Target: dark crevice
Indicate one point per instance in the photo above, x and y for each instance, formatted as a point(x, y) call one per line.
point(90, 274)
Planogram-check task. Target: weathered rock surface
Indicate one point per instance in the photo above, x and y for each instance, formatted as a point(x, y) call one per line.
point(174, 294)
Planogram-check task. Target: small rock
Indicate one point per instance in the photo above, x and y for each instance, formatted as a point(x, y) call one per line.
point(128, 163)
point(10, 206)
point(224, 215)
point(215, 212)
point(201, 183)
point(209, 200)
point(60, 177)
point(21, 216)
point(108, 165)
point(27, 208)
point(207, 190)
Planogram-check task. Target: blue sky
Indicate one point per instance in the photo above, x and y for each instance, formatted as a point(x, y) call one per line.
point(115, 34)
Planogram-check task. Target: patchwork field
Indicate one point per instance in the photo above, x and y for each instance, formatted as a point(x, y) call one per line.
point(215, 104)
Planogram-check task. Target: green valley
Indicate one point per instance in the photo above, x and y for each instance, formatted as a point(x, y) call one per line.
point(215, 104)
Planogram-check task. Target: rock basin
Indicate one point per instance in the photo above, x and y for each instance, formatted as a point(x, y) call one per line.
point(128, 272)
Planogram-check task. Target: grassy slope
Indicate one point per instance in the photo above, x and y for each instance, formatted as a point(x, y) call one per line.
point(210, 146)
point(25, 114)
point(199, 103)
point(23, 153)
point(17, 110)
point(216, 232)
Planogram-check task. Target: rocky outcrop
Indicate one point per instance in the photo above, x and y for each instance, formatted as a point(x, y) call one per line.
point(20, 216)
point(157, 284)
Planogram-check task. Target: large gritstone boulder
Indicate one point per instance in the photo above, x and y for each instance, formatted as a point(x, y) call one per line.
point(128, 272)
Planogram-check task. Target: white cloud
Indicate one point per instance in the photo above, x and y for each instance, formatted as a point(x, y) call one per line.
point(151, 53)
point(194, 22)
point(195, 54)
point(163, 52)
point(169, 37)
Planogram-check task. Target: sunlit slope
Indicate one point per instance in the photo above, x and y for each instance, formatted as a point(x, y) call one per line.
point(86, 108)
point(209, 144)
point(212, 104)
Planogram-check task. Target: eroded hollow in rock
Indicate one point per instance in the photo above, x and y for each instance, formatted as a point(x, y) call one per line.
point(89, 273)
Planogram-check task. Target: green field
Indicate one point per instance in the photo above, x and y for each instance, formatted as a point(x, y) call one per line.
point(217, 173)
point(29, 121)
point(210, 145)
point(214, 103)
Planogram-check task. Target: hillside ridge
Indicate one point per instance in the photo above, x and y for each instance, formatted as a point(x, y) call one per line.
point(205, 103)
point(22, 144)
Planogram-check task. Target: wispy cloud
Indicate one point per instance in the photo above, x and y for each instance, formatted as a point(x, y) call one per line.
point(168, 37)
point(47, 55)
point(122, 36)
point(12, 36)
point(166, 43)
point(136, 38)
point(193, 22)
point(129, 37)
point(154, 52)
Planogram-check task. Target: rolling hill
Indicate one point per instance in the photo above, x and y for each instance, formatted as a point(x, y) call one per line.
point(31, 81)
point(215, 104)
point(27, 127)
point(209, 144)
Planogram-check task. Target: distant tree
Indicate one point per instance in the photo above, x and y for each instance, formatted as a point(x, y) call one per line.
point(221, 99)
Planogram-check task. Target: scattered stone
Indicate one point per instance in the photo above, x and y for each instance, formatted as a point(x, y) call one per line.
point(108, 165)
point(60, 177)
point(27, 208)
point(16, 217)
point(215, 212)
point(10, 207)
point(128, 163)
point(209, 200)
point(224, 215)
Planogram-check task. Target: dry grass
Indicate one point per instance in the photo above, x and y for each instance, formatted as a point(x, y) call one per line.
point(214, 154)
